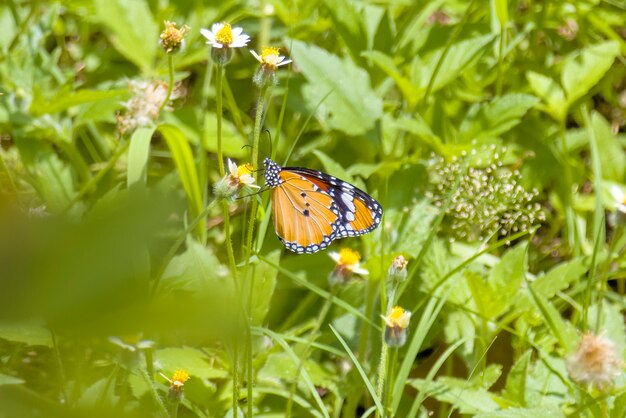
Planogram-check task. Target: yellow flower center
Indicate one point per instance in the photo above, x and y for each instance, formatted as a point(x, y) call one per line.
point(225, 35)
point(269, 52)
point(399, 317)
point(348, 256)
point(180, 376)
point(244, 169)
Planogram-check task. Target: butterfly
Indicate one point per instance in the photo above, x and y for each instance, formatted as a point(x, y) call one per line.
point(311, 209)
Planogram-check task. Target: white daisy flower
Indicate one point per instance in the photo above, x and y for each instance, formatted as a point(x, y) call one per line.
point(270, 58)
point(223, 35)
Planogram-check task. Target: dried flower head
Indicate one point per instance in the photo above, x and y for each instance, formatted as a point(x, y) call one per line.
point(143, 108)
point(397, 271)
point(237, 178)
point(487, 200)
point(396, 326)
point(595, 361)
point(348, 263)
point(172, 38)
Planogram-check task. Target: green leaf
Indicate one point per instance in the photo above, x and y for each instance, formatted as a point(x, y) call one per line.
point(492, 119)
point(507, 276)
point(183, 158)
point(550, 92)
point(416, 228)
point(459, 57)
point(385, 63)
point(282, 366)
point(5, 379)
point(523, 413)
point(349, 24)
point(332, 166)
point(192, 360)
point(495, 295)
point(27, 332)
point(138, 153)
point(193, 270)
point(352, 106)
point(131, 28)
point(459, 394)
point(515, 387)
point(584, 68)
point(502, 11)
point(610, 151)
point(264, 284)
point(65, 98)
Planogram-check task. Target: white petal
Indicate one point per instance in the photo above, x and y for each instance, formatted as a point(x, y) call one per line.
point(360, 271)
point(257, 56)
point(236, 32)
point(335, 256)
point(240, 41)
point(232, 168)
point(207, 34)
point(216, 27)
point(283, 63)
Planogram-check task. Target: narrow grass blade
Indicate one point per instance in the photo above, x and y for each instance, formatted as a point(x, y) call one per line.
point(305, 376)
point(368, 384)
point(138, 153)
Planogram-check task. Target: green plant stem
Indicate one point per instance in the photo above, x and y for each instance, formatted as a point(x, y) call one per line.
point(501, 46)
point(382, 369)
point(249, 239)
point(218, 110)
point(305, 352)
point(170, 86)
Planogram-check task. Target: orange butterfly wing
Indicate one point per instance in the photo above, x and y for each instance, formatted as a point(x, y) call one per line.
point(303, 214)
point(311, 208)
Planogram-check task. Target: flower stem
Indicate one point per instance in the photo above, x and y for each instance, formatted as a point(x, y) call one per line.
point(218, 107)
point(382, 369)
point(249, 238)
point(170, 86)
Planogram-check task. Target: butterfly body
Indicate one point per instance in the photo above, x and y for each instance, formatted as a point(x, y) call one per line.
point(311, 209)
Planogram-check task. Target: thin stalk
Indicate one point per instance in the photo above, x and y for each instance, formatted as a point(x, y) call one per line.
point(501, 47)
point(218, 110)
point(170, 85)
point(382, 369)
point(248, 248)
point(305, 352)
point(175, 410)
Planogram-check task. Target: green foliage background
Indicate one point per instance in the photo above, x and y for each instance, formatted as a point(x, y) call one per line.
point(108, 285)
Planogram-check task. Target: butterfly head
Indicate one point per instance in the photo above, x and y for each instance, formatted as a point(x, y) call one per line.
point(272, 170)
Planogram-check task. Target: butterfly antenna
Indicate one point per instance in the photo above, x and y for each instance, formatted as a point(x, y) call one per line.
point(261, 190)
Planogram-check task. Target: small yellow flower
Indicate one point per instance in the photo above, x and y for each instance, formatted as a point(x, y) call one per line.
point(270, 58)
point(398, 318)
point(236, 178)
point(179, 378)
point(348, 263)
point(396, 326)
point(240, 176)
point(595, 361)
point(171, 37)
point(175, 392)
point(223, 35)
